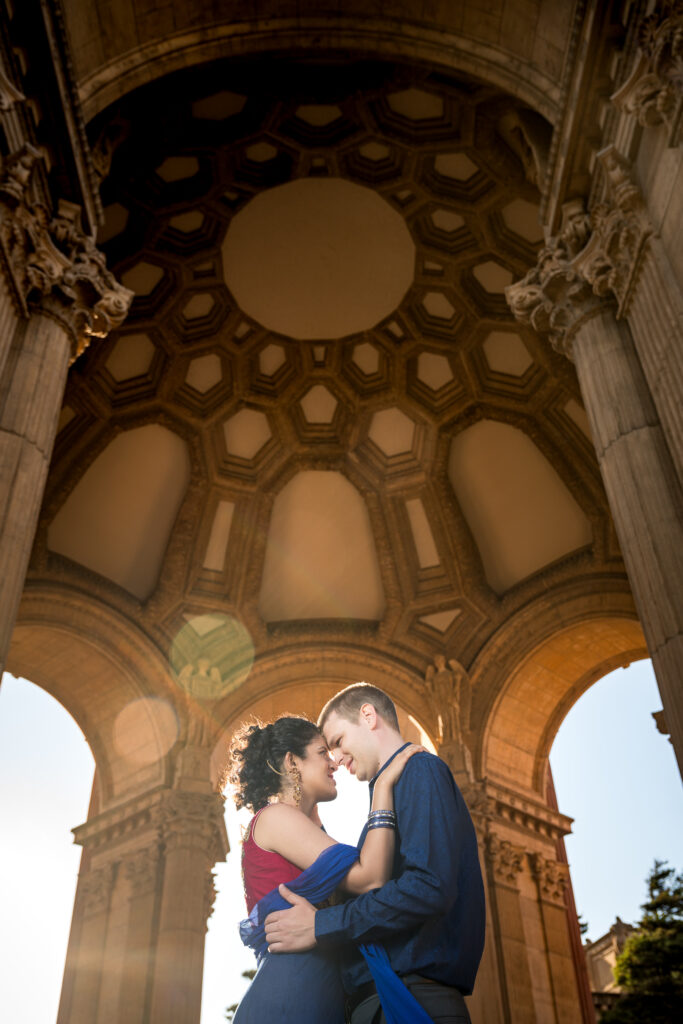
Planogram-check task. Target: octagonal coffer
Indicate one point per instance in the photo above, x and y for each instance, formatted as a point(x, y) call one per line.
point(204, 372)
point(319, 404)
point(131, 357)
point(392, 431)
point(246, 433)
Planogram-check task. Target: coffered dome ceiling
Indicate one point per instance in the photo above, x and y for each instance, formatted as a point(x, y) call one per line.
point(320, 410)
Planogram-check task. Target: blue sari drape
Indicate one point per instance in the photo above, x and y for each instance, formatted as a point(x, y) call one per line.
point(315, 884)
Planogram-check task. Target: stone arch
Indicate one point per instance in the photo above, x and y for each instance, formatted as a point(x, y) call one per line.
point(445, 45)
point(524, 719)
point(99, 667)
point(301, 682)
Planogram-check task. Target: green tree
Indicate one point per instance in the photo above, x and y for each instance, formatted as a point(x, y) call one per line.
point(231, 1010)
point(650, 969)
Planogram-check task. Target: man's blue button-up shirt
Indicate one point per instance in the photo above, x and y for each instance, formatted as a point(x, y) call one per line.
point(430, 915)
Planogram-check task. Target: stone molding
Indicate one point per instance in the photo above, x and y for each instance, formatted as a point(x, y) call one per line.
point(53, 266)
point(210, 893)
point(592, 264)
point(551, 876)
point(653, 93)
point(95, 888)
point(488, 802)
point(172, 819)
point(506, 859)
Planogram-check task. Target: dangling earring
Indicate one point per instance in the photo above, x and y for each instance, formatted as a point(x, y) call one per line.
point(296, 781)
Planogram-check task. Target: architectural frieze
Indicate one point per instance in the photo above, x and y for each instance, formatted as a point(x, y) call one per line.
point(490, 802)
point(551, 876)
point(52, 264)
point(653, 93)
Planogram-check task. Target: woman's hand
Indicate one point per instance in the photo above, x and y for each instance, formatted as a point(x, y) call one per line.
point(392, 773)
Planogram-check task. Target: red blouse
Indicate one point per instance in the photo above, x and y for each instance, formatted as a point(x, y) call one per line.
point(263, 870)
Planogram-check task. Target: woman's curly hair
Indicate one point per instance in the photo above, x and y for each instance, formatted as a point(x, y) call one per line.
point(256, 757)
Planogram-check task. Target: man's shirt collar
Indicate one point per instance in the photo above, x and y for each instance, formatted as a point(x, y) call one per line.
point(388, 761)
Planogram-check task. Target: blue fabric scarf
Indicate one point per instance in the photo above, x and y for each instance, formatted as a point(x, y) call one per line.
point(316, 884)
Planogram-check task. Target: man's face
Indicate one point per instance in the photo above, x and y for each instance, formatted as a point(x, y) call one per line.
point(353, 744)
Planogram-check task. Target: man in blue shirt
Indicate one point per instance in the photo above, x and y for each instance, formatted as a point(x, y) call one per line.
point(430, 915)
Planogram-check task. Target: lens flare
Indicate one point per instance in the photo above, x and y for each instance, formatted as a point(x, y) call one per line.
point(145, 730)
point(211, 656)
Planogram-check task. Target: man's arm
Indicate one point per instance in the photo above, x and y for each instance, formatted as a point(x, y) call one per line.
point(432, 819)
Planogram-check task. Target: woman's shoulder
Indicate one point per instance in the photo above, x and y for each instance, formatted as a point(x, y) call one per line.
point(273, 818)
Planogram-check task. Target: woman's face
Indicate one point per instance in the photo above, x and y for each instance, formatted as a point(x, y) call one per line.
point(317, 771)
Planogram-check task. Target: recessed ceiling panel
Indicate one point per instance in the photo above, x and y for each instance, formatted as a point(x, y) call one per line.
point(321, 561)
point(520, 512)
point(118, 518)
point(318, 258)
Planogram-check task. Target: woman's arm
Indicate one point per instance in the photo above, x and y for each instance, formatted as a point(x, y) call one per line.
point(285, 830)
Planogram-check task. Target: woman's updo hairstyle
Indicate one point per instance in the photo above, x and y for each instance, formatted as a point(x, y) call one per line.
point(257, 755)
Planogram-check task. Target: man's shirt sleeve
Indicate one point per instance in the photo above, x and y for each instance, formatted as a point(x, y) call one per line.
point(430, 814)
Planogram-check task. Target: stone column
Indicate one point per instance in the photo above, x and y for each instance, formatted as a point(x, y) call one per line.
point(194, 838)
point(572, 296)
point(64, 295)
point(505, 863)
point(91, 917)
point(551, 878)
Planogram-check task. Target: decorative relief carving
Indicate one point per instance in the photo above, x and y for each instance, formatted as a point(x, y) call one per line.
point(653, 93)
point(141, 868)
point(593, 260)
point(96, 887)
point(451, 693)
point(52, 263)
point(210, 893)
point(506, 859)
point(9, 94)
point(194, 820)
point(551, 876)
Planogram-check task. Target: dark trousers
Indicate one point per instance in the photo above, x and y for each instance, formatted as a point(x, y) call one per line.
point(444, 1004)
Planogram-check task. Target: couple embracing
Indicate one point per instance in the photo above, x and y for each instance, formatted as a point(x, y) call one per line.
point(388, 932)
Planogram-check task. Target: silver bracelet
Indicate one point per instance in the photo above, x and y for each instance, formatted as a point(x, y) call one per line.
point(382, 824)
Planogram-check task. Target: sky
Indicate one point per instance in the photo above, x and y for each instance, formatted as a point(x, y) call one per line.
point(614, 774)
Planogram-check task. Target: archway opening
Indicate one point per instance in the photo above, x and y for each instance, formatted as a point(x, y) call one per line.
point(225, 957)
point(46, 779)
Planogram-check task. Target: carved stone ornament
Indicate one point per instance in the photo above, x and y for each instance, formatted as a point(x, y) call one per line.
point(95, 888)
point(141, 868)
point(448, 685)
point(210, 893)
point(52, 263)
point(551, 876)
point(653, 92)
point(9, 94)
point(506, 859)
point(593, 261)
point(194, 820)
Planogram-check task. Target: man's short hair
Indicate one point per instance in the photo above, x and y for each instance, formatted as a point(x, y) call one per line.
point(347, 704)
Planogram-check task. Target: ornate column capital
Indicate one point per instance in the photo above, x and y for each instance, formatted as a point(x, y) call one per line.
point(141, 869)
point(553, 297)
point(96, 888)
point(210, 893)
point(194, 820)
point(506, 859)
point(653, 93)
point(551, 876)
point(591, 264)
point(52, 264)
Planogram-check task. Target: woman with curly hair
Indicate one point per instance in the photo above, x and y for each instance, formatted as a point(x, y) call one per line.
point(282, 771)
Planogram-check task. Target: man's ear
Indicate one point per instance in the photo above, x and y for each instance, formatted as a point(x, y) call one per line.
point(369, 715)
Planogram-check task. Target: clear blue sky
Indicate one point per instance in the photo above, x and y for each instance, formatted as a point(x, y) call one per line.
point(614, 773)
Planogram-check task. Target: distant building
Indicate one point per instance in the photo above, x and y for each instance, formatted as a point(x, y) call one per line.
point(601, 959)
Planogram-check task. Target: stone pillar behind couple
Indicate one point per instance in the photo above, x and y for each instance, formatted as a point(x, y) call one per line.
point(429, 915)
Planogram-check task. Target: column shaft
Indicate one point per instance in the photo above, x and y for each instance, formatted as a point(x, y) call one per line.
point(655, 316)
point(31, 393)
point(644, 494)
point(8, 321)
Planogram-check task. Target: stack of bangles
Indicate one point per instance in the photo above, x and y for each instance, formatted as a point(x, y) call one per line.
point(381, 819)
